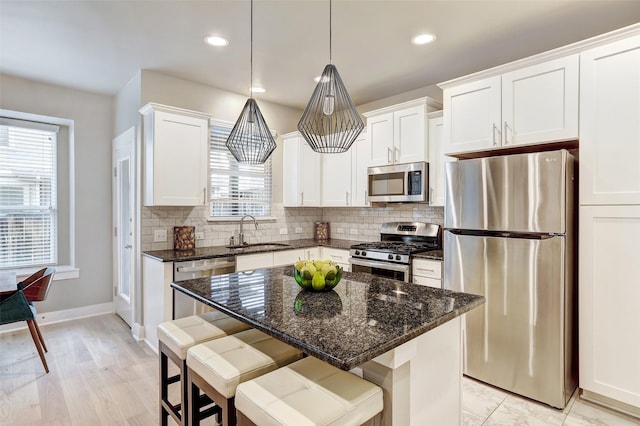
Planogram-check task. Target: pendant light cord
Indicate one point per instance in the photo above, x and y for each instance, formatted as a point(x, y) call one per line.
point(251, 49)
point(330, 34)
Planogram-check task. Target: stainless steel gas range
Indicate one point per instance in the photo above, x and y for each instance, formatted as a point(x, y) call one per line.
point(391, 256)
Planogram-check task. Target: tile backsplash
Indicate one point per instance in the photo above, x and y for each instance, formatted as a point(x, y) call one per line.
point(360, 224)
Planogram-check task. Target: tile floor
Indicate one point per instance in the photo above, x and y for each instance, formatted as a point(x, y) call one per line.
point(488, 406)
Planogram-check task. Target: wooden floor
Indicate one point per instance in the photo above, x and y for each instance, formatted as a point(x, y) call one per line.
point(99, 375)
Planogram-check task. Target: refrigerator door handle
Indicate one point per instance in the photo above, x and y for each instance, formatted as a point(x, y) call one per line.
point(505, 234)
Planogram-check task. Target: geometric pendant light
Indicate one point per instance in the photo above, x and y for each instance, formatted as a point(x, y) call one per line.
point(330, 122)
point(250, 140)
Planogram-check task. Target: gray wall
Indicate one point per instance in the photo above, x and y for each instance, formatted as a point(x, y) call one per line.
point(93, 118)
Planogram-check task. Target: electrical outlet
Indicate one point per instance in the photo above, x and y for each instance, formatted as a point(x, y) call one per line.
point(298, 230)
point(354, 231)
point(283, 231)
point(159, 235)
point(340, 230)
point(199, 236)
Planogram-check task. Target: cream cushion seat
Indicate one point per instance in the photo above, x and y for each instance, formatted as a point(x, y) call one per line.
point(309, 392)
point(226, 362)
point(180, 334)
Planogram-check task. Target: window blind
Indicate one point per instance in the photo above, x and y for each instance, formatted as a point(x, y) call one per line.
point(236, 189)
point(27, 196)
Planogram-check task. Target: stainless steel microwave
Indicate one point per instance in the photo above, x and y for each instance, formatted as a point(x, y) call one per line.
point(399, 183)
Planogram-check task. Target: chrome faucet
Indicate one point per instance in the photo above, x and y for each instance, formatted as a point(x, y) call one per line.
point(241, 235)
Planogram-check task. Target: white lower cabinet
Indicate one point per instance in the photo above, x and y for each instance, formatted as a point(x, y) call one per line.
point(249, 262)
point(609, 291)
point(339, 256)
point(289, 257)
point(427, 272)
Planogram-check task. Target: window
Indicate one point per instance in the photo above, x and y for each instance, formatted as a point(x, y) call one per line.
point(236, 189)
point(28, 199)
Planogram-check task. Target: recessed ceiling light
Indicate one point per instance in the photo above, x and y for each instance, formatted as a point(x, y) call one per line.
point(423, 39)
point(216, 41)
point(258, 89)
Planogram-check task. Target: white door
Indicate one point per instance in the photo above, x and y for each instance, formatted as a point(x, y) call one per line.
point(124, 224)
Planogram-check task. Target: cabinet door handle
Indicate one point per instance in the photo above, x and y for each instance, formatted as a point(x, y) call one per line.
point(396, 156)
point(506, 141)
point(346, 198)
point(366, 196)
point(495, 129)
point(204, 196)
point(430, 195)
point(302, 198)
point(388, 155)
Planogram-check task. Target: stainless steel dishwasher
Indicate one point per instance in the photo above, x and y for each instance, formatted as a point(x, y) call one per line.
point(184, 305)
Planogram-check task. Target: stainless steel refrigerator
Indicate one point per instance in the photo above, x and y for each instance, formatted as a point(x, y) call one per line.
point(509, 236)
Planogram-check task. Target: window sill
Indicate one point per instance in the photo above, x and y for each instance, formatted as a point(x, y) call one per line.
point(237, 219)
point(63, 272)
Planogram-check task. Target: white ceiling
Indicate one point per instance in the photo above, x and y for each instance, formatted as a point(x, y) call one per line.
point(99, 45)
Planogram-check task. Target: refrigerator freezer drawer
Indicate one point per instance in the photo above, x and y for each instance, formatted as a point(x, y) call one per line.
point(516, 340)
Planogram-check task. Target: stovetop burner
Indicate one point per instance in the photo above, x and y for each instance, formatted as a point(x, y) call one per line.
point(395, 247)
point(399, 241)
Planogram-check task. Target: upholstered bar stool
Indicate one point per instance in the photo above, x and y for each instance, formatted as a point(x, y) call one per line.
point(308, 392)
point(174, 339)
point(218, 366)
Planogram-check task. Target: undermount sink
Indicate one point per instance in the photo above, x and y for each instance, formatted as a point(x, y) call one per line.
point(264, 246)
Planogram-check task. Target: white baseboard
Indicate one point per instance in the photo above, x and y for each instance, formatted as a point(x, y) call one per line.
point(61, 316)
point(137, 331)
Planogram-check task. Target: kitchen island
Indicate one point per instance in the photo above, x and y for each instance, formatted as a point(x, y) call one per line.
point(404, 337)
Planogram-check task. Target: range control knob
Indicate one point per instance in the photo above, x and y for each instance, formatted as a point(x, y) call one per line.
point(390, 257)
point(397, 257)
point(364, 253)
point(357, 253)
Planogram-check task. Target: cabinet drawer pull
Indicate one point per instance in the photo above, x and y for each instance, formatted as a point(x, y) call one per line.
point(333, 256)
point(426, 270)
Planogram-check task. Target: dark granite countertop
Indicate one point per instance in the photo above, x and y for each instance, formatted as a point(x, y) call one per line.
point(430, 255)
point(222, 251)
point(360, 319)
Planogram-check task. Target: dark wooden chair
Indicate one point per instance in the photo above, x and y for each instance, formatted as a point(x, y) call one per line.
point(18, 306)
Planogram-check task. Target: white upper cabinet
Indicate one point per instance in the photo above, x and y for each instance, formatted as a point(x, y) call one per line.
point(436, 159)
point(397, 134)
point(360, 161)
point(531, 105)
point(472, 116)
point(301, 172)
point(336, 179)
point(176, 156)
point(380, 130)
point(610, 123)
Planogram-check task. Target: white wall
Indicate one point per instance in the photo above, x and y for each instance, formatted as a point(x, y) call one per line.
point(93, 119)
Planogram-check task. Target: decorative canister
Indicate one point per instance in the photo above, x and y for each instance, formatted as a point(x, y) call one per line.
point(321, 231)
point(184, 237)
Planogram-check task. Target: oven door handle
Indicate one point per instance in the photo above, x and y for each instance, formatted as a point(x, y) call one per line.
point(381, 265)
